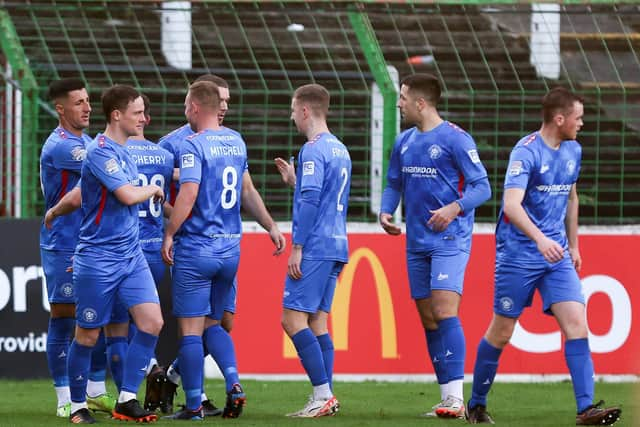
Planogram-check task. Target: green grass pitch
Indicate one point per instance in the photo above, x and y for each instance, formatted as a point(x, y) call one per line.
point(32, 403)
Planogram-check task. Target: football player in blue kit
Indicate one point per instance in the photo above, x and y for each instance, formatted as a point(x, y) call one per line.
point(109, 269)
point(206, 223)
point(436, 169)
point(320, 246)
point(162, 386)
point(155, 166)
point(537, 249)
point(60, 163)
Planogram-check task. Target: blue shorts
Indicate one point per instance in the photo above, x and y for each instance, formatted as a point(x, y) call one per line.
point(436, 270)
point(228, 305)
point(60, 287)
point(314, 291)
point(107, 287)
point(515, 285)
point(202, 284)
point(156, 265)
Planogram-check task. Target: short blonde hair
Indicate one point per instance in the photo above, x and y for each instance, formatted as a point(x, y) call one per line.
point(206, 94)
point(315, 96)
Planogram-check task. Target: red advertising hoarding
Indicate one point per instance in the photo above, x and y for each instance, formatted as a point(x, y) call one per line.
point(376, 329)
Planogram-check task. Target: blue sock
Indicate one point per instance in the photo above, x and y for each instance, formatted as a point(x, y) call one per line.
point(190, 356)
point(326, 345)
point(220, 346)
point(98, 370)
point(484, 372)
point(78, 362)
point(140, 350)
point(436, 352)
point(578, 357)
point(311, 356)
point(116, 353)
point(58, 340)
point(454, 347)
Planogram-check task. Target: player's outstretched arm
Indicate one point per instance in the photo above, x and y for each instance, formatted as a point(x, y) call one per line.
point(181, 210)
point(513, 209)
point(252, 202)
point(130, 195)
point(287, 171)
point(69, 203)
point(571, 225)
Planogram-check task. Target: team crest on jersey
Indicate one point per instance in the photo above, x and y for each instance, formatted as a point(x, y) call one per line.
point(473, 155)
point(435, 151)
point(67, 290)
point(308, 168)
point(188, 160)
point(506, 303)
point(515, 168)
point(89, 315)
point(571, 167)
point(78, 154)
point(111, 166)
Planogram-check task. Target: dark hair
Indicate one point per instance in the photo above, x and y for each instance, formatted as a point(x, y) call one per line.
point(425, 85)
point(206, 94)
point(217, 80)
point(558, 100)
point(147, 104)
point(315, 96)
point(117, 97)
point(59, 88)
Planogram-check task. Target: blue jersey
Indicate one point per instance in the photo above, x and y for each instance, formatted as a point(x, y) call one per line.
point(432, 169)
point(60, 166)
point(155, 166)
point(108, 226)
point(217, 161)
point(547, 176)
point(324, 164)
point(172, 142)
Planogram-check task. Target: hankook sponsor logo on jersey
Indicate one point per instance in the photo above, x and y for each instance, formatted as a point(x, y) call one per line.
point(420, 171)
point(554, 188)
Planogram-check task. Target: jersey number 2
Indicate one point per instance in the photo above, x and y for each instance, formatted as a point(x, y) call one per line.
point(345, 177)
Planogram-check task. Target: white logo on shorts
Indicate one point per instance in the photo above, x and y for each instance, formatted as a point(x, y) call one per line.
point(89, 315)
point(67, 290)
point(506, 303)
point(442, 276)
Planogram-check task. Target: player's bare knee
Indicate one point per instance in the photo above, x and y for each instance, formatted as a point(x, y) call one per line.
point(500, 331)
point(87, 337)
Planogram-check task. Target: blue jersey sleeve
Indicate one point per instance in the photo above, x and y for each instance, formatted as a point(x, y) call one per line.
point(104, 164)
point(312, 164)
point(521, 164)
point(190, 162)
point(394, 172)
point(467, 158)
point(69, 154)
